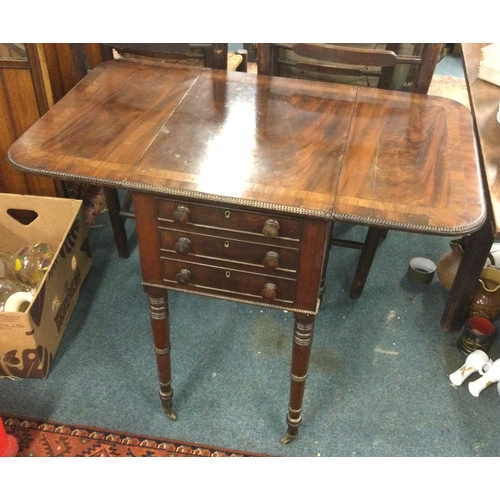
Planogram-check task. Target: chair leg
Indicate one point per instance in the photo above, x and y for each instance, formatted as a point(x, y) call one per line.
point(467, 277)
point(322, 285)
point(117, 222)
point(365, 261)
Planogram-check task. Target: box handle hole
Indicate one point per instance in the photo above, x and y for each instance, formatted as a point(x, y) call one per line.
point(24, 217)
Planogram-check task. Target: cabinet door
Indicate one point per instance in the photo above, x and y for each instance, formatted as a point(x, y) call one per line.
point(25, 95)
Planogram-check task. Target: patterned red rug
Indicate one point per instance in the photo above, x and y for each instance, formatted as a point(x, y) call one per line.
point(37, 438)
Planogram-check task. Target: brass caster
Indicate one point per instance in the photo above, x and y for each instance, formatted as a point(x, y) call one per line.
point(170, 414)
point(287, 439)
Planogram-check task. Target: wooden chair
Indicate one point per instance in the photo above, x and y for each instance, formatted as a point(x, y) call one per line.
point(210, 55)
point(402, 67)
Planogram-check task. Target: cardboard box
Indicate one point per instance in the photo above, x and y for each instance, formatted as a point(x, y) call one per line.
point(29, 339)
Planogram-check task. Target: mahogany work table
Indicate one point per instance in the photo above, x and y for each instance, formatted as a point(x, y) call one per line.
point(237, 179)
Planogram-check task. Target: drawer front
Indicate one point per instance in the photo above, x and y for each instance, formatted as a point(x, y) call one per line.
point(194, 245)
point(228, 281)
point(193, 214)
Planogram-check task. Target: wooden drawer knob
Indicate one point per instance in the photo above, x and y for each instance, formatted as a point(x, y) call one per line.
point(271, 261)
point(183, 246)
point(268, 292)
point(181, 214)
point(183, 277)
point(271, 228)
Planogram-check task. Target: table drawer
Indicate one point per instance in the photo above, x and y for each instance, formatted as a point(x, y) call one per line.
point(189, 214)
point(227, 280)
point(265, 256)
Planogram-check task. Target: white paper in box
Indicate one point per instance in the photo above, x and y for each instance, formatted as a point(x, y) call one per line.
point(29, 339)
point(489, 67)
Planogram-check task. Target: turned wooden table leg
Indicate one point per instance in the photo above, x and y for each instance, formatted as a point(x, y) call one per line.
point(301, 350)
point(158, 311)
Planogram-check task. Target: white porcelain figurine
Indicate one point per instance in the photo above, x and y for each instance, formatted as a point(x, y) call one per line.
point(490, 377)
point(476, 361)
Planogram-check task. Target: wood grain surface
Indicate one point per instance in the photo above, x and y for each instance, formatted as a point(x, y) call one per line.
point(326, 150)
point(485, 102)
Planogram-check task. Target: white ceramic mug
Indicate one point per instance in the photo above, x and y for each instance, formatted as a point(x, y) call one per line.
point(476, 361)
point(490, 377)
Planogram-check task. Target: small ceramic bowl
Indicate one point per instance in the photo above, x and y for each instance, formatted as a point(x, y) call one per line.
point(421, 270)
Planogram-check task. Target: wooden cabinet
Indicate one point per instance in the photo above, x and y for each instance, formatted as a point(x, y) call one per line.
point(25, 95)
point(32, 77)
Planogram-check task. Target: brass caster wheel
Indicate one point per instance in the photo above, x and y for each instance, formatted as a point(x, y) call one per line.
point(170, 414)
point(287, 439)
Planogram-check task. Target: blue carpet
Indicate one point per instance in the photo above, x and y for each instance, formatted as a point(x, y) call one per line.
point(378, 382)
point(450, 65)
